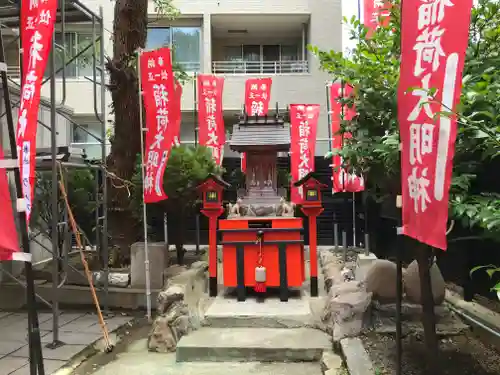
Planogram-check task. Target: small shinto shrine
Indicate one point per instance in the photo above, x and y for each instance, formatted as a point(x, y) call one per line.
point(262, 240)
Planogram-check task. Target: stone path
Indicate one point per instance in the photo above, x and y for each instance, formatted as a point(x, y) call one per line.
point(138, 361)
point(77, 330)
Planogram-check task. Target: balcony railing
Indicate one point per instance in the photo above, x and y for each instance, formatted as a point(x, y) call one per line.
point(14, 71)
point(260, 67)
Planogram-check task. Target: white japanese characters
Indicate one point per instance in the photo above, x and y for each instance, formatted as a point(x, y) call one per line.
point(429, 56)
point(157, 79)
point(380, 9)
point(37, 32)
point(258, 95)
point(304, 115)
point(210, 93)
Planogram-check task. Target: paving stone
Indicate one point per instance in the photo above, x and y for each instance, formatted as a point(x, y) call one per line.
point(9, 346)
point(331, 361)
point(90, 324)
point(74, 338)
point(4, 314)
point(62, 353)
point(10, 364)
point(50, 367)
point(357, 359)
point(63, 319)
point(253, 344)
point(14, 319)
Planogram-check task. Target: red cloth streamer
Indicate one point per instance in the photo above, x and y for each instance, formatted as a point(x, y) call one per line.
point(260, 286)
point(8, 235)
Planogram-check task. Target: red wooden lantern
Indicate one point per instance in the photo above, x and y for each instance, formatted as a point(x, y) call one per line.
point(312, 207)
point(211, 190)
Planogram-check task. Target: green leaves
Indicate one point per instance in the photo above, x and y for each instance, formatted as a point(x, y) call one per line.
point(373, 70)
point(187, 166)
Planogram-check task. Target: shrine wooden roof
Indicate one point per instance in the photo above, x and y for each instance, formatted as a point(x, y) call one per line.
point(262, 133)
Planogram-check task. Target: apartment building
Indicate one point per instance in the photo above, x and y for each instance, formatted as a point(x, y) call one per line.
point(238, 39)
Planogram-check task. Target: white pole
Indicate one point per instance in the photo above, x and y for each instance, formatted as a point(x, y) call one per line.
point(354, 219)
point(165, 228)
point(144, 212)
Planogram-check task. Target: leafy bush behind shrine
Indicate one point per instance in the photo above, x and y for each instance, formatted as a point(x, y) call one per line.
point(373, 70)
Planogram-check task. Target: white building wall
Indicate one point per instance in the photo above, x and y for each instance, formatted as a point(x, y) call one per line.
point(324, 30)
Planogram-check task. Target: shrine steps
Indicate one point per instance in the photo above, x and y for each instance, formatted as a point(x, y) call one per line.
point(227, 313)
point(269, 331)
point(253, 345)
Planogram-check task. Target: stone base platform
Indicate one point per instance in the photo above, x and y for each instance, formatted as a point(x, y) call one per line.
point(13, 296)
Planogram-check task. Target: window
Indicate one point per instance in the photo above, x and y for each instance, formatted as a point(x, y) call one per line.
point(233, 53)
point(80, 135)
point(158, 37)
point(184, 42)
point(289, 53)
point(72, 44)
point(80, 138)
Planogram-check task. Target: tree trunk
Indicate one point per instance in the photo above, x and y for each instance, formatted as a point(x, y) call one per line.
point(424, 259)
point(130, 32)
point(180, 219)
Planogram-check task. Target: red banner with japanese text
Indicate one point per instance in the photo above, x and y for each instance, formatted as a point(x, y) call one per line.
point(37, 27)
point(257, 97)
point(376, 13)
point(9, 243)
point(341, 180)
point(303, 129)
point(211, 121)
point(433, 44)
point(177, 115)
point(157, 81)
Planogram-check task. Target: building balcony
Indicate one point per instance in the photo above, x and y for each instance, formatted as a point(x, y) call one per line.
point(260, 67)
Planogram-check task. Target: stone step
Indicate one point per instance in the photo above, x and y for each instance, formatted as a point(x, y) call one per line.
point(253, 344)
point(272, 313)
point(160, 364)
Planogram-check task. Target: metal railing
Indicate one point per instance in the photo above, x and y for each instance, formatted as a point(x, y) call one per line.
point(189, 66)
point(13, 71)
point(92, 150)
point(259, 67)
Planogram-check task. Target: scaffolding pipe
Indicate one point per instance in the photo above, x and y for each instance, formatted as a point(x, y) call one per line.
point(17, 281)
point(63, 32)
point(104, 181)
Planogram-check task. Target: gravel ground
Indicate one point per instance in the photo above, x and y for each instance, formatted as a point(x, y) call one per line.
point(459, 355)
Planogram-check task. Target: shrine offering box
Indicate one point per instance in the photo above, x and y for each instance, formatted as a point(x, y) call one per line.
point(282, 251)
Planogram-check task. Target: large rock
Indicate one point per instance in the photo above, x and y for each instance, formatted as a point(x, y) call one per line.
point(411, 282)
point(345, 310)
point(380, 280)
point(161, 338)
point(333, 274)
point(174, 293)
point(180, 307)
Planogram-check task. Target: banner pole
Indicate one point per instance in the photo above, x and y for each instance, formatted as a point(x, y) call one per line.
point(36, 364)
point(353, 219)
point(196, 131)
point(143, 173)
